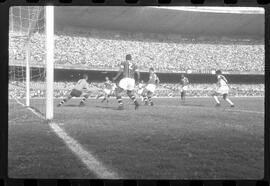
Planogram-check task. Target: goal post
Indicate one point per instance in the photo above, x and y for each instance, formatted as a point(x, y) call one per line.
point(49, 61)
point(31, 57)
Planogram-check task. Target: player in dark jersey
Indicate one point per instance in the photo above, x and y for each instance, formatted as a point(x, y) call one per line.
point(184, 83)
point(109, 89)
point(80, 89)
point(127, 83)
point(150, 88)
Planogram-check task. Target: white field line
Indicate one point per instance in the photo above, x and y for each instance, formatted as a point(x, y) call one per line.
point(92, 163)
point(208, 108)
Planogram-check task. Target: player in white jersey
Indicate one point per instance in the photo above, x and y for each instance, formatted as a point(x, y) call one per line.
point(109, 90)
point(223, 89)
point(184, 85)
point(81, 89)
point(150, 87)
point(141, 87)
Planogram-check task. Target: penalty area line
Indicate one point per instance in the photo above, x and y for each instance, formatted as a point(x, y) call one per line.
point(92, 163)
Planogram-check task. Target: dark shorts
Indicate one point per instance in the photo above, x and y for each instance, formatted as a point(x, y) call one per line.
point(75, 93)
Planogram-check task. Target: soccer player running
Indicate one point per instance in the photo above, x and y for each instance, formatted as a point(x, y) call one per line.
point(222, 90)
point(81, 89)
point(109, 88)
point(184, 83)
point(150, 88)
point(127, 83)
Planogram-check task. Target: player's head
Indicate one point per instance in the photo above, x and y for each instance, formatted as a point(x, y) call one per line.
point(106, 78)
point(128, 57)
point(218, 72)
point(85, 76)
point(151, 70)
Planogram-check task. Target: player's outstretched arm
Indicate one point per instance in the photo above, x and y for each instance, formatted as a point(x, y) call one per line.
point(158, 81)
point(138, 75)
point(118, 74)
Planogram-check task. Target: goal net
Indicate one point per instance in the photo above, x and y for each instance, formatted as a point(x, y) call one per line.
point(28, 57)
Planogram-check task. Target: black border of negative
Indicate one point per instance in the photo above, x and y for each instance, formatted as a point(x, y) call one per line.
point(4, 29)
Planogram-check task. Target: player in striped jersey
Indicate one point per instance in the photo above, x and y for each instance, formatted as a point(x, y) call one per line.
point(127, 83)
point(150, 88)
point(81, 89)
point(109, 89)
point(184, 83)
point(222, 90)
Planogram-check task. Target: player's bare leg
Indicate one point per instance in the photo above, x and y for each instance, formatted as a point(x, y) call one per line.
point(216, 99)
point(82, 102)
point(64, 100)
point(225, 97)
point(133, 98)
point(99, 96)
point(119, 98)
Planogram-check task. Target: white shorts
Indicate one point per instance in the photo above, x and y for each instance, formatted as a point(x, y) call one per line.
point(151, 88)
point(127, 83)
point(184, 88)
point(107, 91)
point(140, 91)
point(223, 90)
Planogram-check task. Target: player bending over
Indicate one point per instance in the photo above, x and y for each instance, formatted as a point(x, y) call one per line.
point(81, 89)
point(222, 90)
point(109, 89)
point(184, 85)
point(128, 69)
point(150, 88)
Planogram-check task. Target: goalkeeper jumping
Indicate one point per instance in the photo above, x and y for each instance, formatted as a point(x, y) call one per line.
point(81, 89)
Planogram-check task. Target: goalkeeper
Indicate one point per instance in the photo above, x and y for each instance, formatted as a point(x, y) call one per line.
point(81, 89)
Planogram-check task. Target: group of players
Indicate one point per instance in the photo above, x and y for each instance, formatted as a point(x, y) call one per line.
point(128, 84)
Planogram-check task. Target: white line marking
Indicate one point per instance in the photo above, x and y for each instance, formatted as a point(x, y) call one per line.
point(92, 163)
point(89, 160)
point(209, 108)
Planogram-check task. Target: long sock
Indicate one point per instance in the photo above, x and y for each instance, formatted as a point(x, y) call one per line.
point(145, 99)
point(182, 95)
point(216, 99)
point(83, 99)
point(63, 101)
point(150, 99)
point(229, 101)
point(133, 98)
point(120, 101)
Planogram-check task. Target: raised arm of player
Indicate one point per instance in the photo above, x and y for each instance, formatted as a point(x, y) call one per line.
point(138, 75)
point(158, 81)
point(120, 71)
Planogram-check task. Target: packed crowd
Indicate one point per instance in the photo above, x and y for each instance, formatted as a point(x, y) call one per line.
point(104, 50)
point(61, 89)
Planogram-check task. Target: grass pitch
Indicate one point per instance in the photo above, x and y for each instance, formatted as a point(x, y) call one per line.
point(166, 141)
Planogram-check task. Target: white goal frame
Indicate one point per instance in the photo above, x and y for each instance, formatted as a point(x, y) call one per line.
point(49, 30)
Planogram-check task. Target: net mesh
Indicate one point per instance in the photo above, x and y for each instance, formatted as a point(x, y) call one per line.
point(27, 42)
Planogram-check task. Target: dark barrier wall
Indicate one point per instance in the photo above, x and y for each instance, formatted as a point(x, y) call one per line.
point(99, 76)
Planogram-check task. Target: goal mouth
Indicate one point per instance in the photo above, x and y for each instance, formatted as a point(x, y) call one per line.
point(28, 55)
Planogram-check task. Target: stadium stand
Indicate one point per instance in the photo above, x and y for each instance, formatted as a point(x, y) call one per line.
point(97, 49)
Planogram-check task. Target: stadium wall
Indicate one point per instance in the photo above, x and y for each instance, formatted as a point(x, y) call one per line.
point(62, 75)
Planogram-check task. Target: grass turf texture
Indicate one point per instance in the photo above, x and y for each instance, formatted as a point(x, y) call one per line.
point(166, 141)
